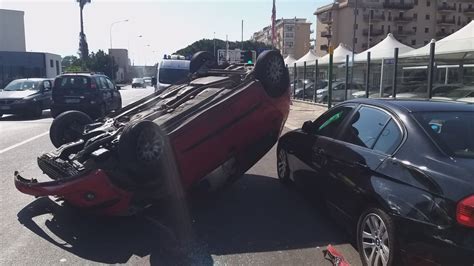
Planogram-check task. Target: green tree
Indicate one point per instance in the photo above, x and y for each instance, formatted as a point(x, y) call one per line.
point(101, 62)
point(71, 63)
point(208, 45)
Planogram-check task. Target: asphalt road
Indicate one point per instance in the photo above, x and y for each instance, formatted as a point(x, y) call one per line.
point(256, 221)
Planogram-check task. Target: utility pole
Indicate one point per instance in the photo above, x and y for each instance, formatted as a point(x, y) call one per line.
point(215, 44)
point(83, 47)
point(242, 39)
point(353, 41)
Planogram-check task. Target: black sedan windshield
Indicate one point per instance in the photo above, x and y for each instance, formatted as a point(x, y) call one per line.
point(452, 131)
point(22, 85)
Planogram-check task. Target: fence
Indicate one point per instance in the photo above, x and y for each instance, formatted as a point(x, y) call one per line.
point(440, 77)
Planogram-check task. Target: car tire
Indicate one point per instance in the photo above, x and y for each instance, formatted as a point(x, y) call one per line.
point(283, 169)
point(141, 149)
point(376, 238)
point(201, 59)
point(68, 127)
point(271, 71)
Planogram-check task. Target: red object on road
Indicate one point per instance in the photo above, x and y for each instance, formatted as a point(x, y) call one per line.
point(335, 256)
point(203, 132)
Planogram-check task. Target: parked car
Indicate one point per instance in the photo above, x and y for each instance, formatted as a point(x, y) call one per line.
point(309, 89)
point(27, 97)
point(138, 83)
point(94, 94)
point(147, 81)
point(398, 173)
point(421, 91)
point(338, 91)
point(200, 133)
point(461, 94)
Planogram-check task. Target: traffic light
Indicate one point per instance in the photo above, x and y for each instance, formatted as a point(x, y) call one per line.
point(246, 57)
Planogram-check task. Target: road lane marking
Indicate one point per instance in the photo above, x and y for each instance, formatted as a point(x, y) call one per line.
point(23, 142)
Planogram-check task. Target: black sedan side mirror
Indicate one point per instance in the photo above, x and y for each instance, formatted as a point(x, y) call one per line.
point(308, 127)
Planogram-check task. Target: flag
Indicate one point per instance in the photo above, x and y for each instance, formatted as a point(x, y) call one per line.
point(273, 23)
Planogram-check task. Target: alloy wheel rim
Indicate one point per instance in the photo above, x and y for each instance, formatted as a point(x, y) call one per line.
point(274, 70)
point(282, 165)
point(149, 146)
point(375, 241)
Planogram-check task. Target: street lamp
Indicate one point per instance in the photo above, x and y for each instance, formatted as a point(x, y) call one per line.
point(111, 25)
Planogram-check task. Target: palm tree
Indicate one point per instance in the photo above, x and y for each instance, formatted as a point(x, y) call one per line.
point(83, 47)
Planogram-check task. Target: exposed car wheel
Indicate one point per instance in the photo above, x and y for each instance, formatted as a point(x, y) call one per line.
point(141, 149)
point(376, 238)
point(68, 127)
point(201, 59)
point(282, 166)
point(270, 69)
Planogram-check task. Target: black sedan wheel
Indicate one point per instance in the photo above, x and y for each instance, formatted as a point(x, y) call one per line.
point(283, 167)
point(376, 238)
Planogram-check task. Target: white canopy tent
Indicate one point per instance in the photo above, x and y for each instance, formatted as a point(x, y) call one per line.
point(289, 60)
point(384, 49)
point(309, 57)
point(458, 45)
point(339, 56)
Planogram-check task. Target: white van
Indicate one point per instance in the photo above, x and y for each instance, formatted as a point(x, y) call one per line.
point(170, 71)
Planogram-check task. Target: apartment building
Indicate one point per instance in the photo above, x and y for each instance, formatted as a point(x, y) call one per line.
point(292, 36)
point(412, 22)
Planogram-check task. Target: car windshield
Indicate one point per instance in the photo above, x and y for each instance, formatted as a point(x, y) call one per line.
point(452, 131)
point(71, 82)
point(172, 75)
point(22, 85)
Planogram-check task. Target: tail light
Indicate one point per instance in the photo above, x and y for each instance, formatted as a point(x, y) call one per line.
point(465, 212)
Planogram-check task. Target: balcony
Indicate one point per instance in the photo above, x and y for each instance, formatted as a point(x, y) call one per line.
point(325, 18)
point(403, 33)
point(442, 34)
point(403, 19)
point(446, 8)
point(374, 18)
point(373, 32)
point(326, 34)
point(446, 21)
point(399, 5)
point(469, 11)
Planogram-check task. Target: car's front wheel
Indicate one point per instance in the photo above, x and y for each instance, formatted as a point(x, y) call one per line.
point(270, 69)
point(68, 127)
point(376, 238)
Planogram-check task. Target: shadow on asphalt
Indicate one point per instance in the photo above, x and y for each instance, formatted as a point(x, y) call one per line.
point(256, 214)
point(46, 114)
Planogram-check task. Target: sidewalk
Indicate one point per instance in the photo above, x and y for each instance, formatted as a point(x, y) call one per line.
point(301, 112)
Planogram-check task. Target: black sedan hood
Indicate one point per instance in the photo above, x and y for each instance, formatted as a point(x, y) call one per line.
point(16, 94)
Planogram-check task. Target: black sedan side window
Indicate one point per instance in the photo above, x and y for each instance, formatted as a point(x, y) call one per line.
point(365, 127)
point(389, 139)
point(328, 125)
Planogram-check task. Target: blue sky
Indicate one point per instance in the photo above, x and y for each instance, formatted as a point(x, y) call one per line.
point(165, 25)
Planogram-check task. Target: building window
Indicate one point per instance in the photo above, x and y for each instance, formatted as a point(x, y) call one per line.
point(356, 26)
point(383, 27)
point(400, 28)
point(415, 16)
point(413, 42)
point(459, 21)
point(355, 40)
point(427, 17)
point(428, 3)
point(388, 29)
point(57, 68)
point(414, 29)
point(427, 30)
point(426, 42)
point(389, 16)
point(51, 63)
point(452, 30)
point(416, 2)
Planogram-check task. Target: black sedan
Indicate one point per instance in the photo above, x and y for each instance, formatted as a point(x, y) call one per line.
point(399, 174)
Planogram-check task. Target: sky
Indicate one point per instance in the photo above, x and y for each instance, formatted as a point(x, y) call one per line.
point(165, 26)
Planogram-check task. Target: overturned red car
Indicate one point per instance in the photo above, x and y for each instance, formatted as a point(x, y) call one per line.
point(203, 132)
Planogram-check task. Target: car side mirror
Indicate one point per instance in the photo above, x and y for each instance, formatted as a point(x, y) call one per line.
point(307, 127)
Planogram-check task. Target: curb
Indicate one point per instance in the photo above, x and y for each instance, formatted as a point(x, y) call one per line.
point(310, 103)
